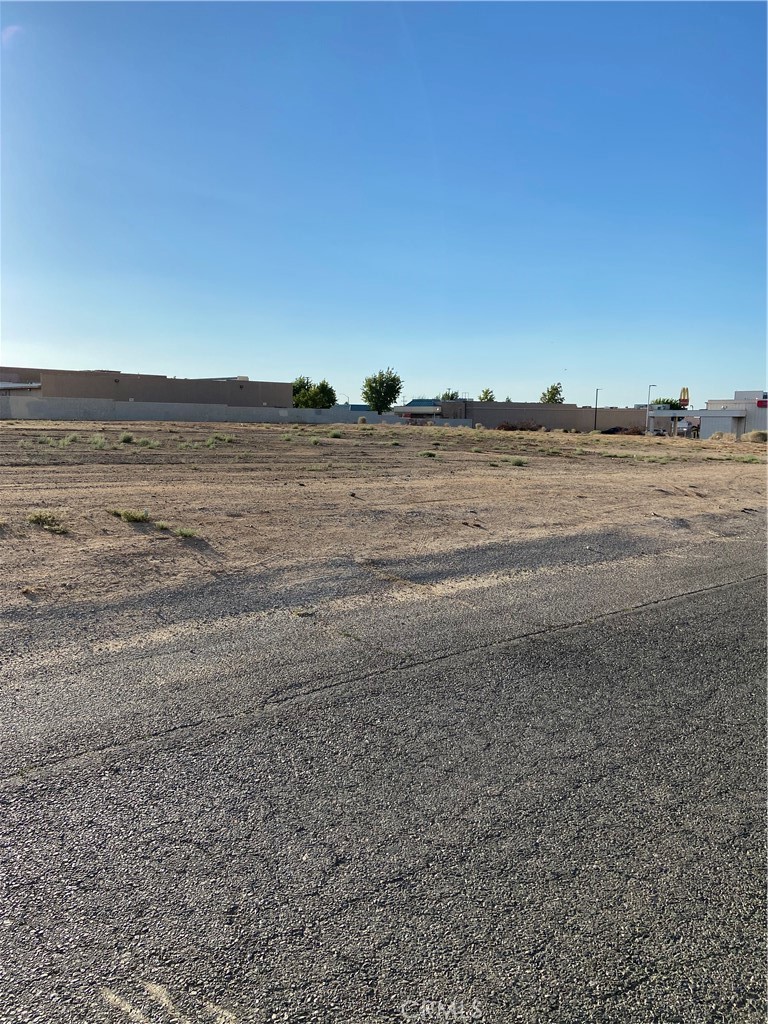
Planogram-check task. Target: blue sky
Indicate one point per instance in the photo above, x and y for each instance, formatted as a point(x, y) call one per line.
point(479, 195)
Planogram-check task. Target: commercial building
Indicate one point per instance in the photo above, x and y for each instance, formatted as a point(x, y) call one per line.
point(142, 387)
point(746, 411)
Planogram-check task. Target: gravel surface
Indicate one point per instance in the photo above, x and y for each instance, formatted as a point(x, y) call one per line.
point(523, 782)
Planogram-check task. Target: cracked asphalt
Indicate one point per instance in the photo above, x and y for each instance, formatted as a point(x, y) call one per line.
point(349, 793)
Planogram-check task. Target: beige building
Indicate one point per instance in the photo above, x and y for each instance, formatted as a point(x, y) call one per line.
point(144, 387)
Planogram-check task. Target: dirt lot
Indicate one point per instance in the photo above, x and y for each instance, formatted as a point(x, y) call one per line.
point(263, 495)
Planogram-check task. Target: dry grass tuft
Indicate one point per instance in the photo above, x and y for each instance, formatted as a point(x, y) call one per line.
point(48, 521)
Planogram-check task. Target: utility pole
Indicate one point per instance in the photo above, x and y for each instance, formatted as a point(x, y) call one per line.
point(648, 406)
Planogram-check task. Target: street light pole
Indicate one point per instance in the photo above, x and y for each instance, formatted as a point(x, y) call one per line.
point(596, 391)
point(648, 406)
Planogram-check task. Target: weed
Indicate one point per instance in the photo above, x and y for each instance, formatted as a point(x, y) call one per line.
point(287, 437)
point(160, 525)
point(314, 440)
point(126, 438)
point(519, 462)
point(130, 515)
point(183, 532)
point(427, 455)
point(48, 521)
point(493, 463)
point(335, 433)
point(145, 442)
point(65, 442)
point(99, 441)
point(395, 444)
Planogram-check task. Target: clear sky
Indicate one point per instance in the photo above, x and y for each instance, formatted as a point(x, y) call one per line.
point(479, 195)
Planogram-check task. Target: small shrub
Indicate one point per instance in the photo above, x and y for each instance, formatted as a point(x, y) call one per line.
point(518, 462)
point(756, 436)
point(48, 521)
point(224, 438)
point(493, 463)
point(99, 441)
point(129, 515)
point(361, 419)
point(126, 438)
point(524, 425)
point(146, 442)
point(65, 442)
point(183, 532)
point(160, 525)
point(479, 426)
point(314, 440)
point(335, 433)
point(427, 455)
point(395, 444)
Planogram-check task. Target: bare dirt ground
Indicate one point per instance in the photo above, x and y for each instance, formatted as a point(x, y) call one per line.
point(273, 496)
point(333, 723)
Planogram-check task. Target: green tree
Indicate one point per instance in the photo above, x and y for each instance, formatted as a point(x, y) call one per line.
point(324, 395)
point(486, 395)
point(449, 396)
point(381, 390)
point(671, 402)
point(308, 395)
point(553, 395)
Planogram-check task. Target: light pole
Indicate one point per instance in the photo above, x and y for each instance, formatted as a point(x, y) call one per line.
point(648, 406)
point(596, 391)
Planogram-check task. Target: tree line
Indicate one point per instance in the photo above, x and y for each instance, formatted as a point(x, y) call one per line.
point(381, 390)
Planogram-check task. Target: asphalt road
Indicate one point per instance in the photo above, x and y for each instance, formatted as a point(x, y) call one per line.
point(524, 783)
